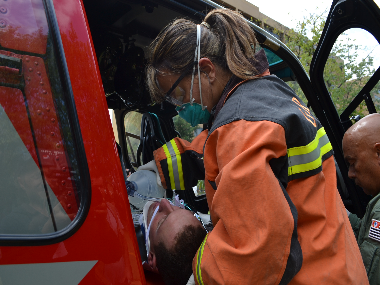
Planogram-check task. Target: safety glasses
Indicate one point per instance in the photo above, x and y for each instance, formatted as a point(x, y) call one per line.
point(187, 207)
point(176, 94)
point(180, 203)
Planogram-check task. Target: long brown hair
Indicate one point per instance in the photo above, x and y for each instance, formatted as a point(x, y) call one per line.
point(229, 43)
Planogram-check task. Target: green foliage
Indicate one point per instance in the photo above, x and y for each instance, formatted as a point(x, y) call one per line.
point(344, 74)
point(184, 128)
point(132, 123)
point(201, 188)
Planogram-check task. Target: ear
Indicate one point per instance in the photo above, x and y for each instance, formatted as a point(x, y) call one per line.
point(208, 67)
point(377, 149)
point(152, 262)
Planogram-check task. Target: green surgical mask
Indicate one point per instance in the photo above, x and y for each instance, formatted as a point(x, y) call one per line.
point(193, 113)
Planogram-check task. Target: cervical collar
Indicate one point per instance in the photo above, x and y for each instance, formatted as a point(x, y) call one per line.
point(145, 223)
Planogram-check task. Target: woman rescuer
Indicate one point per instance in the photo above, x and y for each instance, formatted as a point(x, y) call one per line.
point(269, 167)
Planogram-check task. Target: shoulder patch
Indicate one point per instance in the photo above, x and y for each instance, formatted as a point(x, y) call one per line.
point(374, 230)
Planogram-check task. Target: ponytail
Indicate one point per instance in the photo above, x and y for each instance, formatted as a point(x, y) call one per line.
point(238, 39)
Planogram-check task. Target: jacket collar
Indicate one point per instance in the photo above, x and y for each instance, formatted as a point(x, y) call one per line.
point(260, 62)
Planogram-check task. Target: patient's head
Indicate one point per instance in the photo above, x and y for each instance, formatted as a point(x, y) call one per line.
point(175, 235)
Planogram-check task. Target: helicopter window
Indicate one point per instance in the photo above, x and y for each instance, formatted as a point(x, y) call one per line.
point(41, 173)
point(352, 75)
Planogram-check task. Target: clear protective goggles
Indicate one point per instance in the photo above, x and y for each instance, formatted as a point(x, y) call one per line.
point(176, 94)
point(176, 97)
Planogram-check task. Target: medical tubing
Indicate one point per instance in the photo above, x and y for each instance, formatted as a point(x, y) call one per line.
point(198, 55)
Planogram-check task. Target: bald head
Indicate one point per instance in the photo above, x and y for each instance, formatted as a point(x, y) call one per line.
point(367, 130)
point(361, 147)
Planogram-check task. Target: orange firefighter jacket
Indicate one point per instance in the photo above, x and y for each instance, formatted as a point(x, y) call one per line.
point(271, 189)
point(278, 217)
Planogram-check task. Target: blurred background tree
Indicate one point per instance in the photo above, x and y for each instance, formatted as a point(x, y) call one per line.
point(184, 128)
point(348, 67)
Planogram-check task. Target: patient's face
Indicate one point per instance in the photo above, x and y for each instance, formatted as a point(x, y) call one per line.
point(168, 222)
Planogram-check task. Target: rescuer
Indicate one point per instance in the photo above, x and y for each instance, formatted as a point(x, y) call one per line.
point(269, 170)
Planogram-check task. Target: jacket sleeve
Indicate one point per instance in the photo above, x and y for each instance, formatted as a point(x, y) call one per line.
point(180, 163)
point(370, 246)
point(355, 224)
point(254, 218)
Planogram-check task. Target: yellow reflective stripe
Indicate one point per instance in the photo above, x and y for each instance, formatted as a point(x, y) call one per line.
point(170, 165)
point(179, 164)
point(198, 273)
point(325, 149)
point(309, 147)
point(306, 152)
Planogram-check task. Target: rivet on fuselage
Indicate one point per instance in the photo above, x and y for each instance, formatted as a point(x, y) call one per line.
point(3, 23)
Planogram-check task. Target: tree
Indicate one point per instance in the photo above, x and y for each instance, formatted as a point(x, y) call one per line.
point(344, 73)
point(184, 128)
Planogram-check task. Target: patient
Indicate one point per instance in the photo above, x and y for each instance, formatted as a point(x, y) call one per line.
point(174, 236)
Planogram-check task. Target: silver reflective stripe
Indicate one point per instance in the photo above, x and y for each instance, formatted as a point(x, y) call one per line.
point(175, 166)
point(58, 273)
point(309, 157)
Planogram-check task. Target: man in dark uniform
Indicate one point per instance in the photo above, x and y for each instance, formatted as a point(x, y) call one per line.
point(361, 147)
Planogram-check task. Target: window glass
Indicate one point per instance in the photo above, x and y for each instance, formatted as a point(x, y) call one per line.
point(273, 58)
point(375, 95)
point(39, 172)
point(132, 123)
point(297, 88)
point(279, 68)
point(349, 72)
point(185, 130)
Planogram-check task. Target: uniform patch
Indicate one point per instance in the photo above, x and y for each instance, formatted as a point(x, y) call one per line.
point(374, 230)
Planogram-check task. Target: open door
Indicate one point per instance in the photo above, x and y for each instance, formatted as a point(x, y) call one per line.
point(345, 16)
